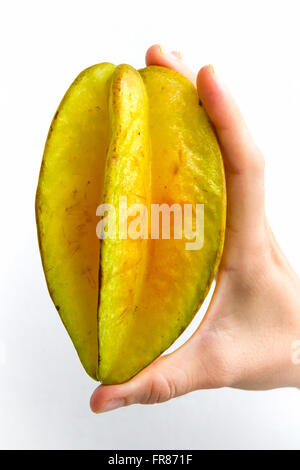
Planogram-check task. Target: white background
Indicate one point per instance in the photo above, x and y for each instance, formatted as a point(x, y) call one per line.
point(254, 46)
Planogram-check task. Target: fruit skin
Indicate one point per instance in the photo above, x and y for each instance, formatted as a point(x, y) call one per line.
point(149, 290)
point(128, 173)
point(186, 167)
point(69, 191)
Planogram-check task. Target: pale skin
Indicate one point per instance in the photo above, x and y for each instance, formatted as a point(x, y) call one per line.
point(247, 336)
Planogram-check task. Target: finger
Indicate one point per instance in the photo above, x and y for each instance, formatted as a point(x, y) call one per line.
point(169, 376)
point(241, 153)
point(244, 167)
point(156, 55)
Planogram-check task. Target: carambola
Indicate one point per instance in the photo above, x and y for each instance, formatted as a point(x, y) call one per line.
point(144, 135)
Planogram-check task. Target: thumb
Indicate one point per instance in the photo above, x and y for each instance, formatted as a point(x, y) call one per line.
point(193, 366)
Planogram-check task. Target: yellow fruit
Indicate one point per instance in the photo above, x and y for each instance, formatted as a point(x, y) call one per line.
point(119, 132)
point(69, 191)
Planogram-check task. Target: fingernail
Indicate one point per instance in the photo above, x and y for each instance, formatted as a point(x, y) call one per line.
point(212, 70)
point(171, 54)
point(112, 405)
point(177, 54)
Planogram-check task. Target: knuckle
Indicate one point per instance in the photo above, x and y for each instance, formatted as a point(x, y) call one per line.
point(159, 389)
point(257, 164)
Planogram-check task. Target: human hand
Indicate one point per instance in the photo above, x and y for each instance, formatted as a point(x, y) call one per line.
point(245, 340)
